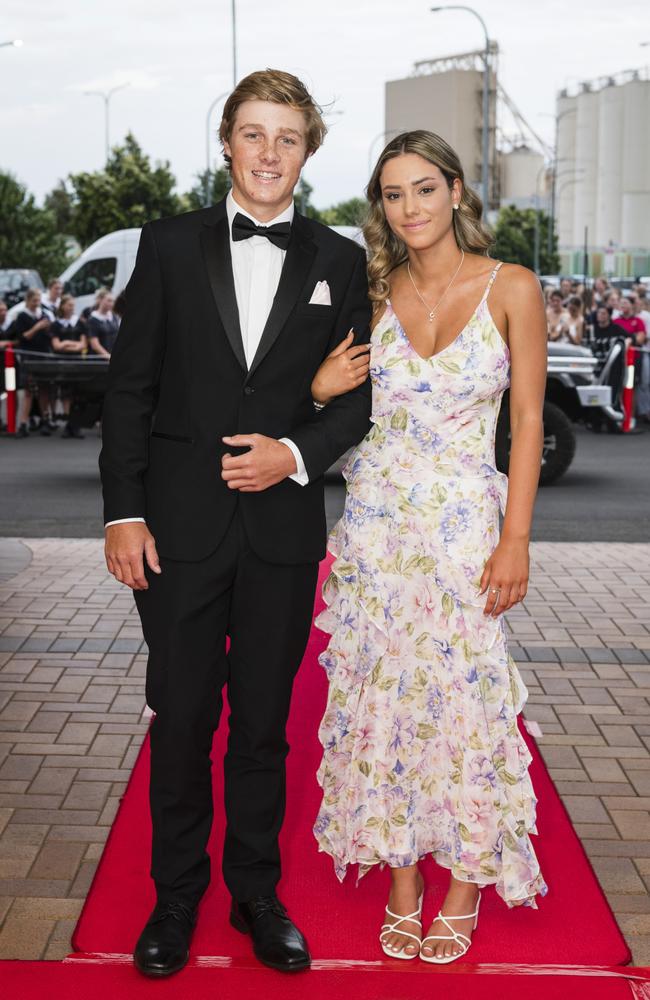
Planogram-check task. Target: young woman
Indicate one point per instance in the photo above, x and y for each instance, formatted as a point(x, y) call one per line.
point(575, 321)
point(32, 331)
point(103, 326)
point(68, 337)
point(422, 754)
point(557, 317)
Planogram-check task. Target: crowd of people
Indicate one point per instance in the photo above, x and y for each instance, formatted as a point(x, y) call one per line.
point(49, 324)
point(580, 315)
point(595, 317)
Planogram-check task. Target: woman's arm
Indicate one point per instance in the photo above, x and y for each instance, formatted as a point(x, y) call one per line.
point(343, 370)
point(580, 328)
point(97, 348)
point(41, 324)
point(350, 369)
point(507, 568)
point(65, 346)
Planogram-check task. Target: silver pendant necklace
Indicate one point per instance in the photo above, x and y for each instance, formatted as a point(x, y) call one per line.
point(432, 312)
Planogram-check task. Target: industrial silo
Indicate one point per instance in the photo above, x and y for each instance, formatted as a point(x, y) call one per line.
point(565, 188)
point(586, 165)
point(610, 157)
point(635, 214)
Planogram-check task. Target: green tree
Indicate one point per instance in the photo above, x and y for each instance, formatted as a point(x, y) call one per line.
point(515, 239)
point(127, 193)
point(302, 197)
point(29, 236)
point(219, 187)
point(346, 213)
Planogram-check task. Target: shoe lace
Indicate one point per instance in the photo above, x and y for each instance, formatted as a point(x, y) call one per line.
point(178, 911)
point(268, 904)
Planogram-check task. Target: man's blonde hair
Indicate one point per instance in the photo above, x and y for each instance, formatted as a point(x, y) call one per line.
point(280, 88)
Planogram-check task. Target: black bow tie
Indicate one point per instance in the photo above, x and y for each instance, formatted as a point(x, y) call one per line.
point(243, 228)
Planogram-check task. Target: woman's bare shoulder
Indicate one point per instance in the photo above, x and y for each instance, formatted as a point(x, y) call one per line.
point(518, 277)
point(517, 285)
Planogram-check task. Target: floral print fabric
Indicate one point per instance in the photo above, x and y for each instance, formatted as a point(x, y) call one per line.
point(421, 749)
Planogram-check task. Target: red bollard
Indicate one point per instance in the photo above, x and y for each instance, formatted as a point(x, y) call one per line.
point(628, 390)
point(10, 386)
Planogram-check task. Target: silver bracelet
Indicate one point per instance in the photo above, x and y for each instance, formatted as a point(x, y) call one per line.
point(319, 406)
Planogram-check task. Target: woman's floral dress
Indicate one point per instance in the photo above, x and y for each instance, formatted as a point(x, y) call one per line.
point(422, 753)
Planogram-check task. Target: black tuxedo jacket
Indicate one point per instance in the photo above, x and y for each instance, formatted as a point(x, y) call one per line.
point(178, 383)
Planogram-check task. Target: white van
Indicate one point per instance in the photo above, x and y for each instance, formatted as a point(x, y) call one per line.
point(106, 263)
point(109, 262)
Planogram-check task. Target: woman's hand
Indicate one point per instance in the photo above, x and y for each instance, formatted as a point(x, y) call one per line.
point(505, 577)
point(344, 369)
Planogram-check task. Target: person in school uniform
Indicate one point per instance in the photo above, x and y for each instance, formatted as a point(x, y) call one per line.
point(103, 327)
point(31, 330)
point(68, 337)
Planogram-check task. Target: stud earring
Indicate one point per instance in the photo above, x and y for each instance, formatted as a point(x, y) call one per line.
point(455, 207)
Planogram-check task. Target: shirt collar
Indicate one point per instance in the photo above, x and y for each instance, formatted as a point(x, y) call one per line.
point(232, 208)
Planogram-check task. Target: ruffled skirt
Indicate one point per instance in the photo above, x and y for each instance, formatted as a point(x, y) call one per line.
point(421, 749)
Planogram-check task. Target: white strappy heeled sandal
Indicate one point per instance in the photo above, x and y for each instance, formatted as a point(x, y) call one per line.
point(394, 928)
point(461, 939)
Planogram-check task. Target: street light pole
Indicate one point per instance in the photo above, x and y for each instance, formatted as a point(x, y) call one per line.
point(15, 44)
point(106, 97)
point(536, 264)
point(216, 101)
point(485, 144)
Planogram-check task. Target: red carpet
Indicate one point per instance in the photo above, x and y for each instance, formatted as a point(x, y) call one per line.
point(85, 979)
point(573, 925)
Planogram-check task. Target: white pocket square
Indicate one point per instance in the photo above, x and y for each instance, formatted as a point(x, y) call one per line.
point(321, 295)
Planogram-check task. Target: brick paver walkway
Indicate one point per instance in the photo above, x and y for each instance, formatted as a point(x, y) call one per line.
point(71, 721)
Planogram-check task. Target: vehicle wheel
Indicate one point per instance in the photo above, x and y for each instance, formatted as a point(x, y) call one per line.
point(559, 443)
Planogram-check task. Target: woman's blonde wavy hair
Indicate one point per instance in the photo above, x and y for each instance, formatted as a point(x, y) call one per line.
point(385, 250)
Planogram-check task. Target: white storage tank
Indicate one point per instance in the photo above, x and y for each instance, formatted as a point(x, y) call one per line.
point(522, 177)
point(586, 164)
point(565, 188)
point(635, 221)
point(610, 163)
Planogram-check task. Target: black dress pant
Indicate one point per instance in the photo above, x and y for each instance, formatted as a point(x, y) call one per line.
point(186, 614)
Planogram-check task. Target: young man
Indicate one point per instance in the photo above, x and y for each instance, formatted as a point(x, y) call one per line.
point(212, 467)
point(628, 319)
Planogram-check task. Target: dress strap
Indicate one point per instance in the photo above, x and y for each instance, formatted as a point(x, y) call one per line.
point(491, 281)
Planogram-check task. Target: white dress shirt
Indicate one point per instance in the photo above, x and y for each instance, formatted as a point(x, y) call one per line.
point(257, 266)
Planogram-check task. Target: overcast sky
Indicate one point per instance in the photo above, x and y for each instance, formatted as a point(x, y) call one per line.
point(176, 56)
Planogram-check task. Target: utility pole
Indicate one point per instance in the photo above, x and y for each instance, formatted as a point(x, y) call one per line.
point(106, 98)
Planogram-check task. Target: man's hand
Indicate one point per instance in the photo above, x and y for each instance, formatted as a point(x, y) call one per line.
point(124, 548)
point(268, 462)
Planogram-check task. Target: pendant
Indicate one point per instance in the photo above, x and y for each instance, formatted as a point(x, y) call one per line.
point(431, 315)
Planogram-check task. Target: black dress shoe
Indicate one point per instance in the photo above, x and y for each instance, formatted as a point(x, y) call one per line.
point(277, 942)
point(164, 945)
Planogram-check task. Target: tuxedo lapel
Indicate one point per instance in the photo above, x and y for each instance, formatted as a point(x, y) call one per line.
point(215, 244)
point(295, 271)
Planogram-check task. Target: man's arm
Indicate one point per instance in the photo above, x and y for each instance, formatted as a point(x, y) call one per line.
point(346, 419)
point(132, 381)
point(126, 420)
point(342, 423)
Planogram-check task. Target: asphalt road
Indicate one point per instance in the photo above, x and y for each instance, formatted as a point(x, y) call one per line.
point(50, 488)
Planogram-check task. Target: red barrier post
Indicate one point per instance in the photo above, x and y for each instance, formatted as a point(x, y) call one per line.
point(628, 390)
point(10, 386)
